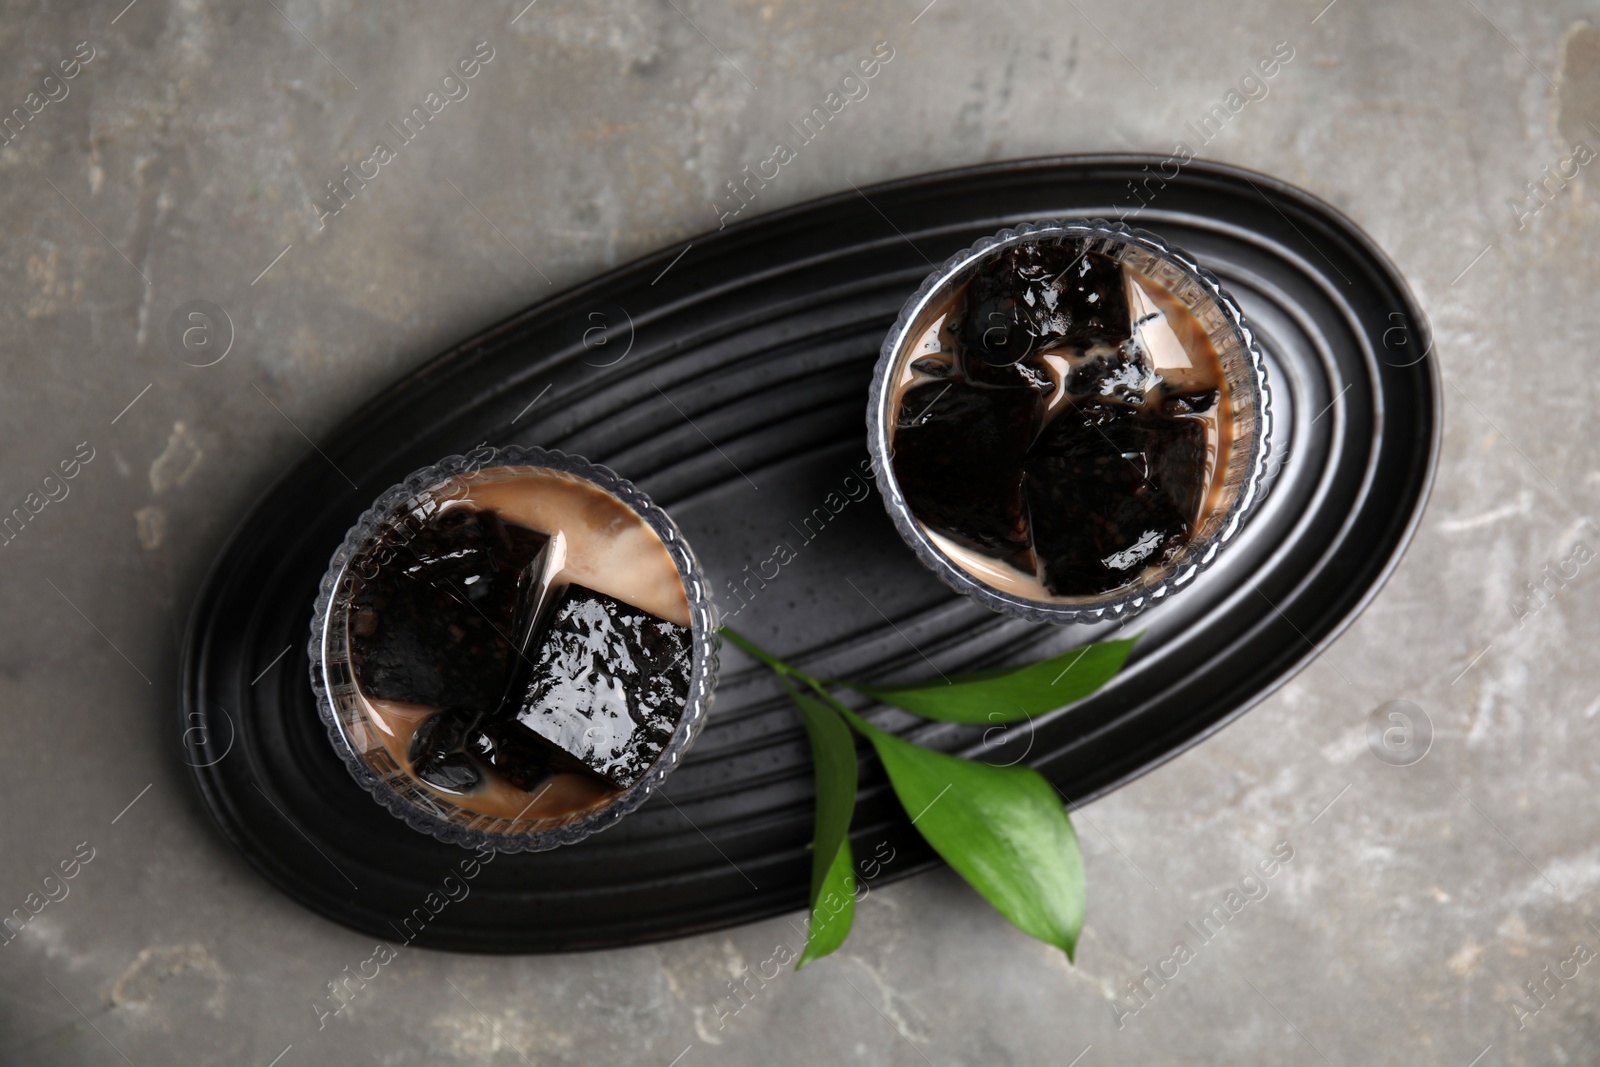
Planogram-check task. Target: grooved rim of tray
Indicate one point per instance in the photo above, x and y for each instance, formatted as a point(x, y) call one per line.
point(737, 406)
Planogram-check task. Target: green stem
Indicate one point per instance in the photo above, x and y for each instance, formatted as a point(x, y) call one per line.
point(762, 654)
point(861, 725)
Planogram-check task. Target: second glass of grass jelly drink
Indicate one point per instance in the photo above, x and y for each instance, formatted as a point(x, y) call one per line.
point(1069, 420)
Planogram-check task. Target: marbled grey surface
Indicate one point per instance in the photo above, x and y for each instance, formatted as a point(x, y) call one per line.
point(190, 151)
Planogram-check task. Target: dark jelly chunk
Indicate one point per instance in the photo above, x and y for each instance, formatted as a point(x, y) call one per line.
point(1029, 372)
point(1193, 402)
point(1011, 304)
point(1113, 372)
point(522, 757)
point(535, 600)
point(1036, 296)
point(1095, 302)
point(608, 684)
point(1110, 491)
point(429, 624)
point(958, 450)
point(438, 756)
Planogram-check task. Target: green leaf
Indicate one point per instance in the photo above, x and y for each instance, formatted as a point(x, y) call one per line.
point(833, 908)
point(1002, 828)
point(1008, 694)
point(833, 752)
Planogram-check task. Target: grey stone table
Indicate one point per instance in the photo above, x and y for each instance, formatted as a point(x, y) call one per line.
point(185, 159)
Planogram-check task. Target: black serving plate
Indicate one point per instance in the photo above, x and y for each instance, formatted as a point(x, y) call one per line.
point(731, 385)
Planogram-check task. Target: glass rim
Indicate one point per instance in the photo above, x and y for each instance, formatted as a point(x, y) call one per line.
point(1126, 600)
point(338, 698)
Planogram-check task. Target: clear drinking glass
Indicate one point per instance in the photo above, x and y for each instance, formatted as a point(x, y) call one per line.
point(1244, 378)
point(344, 710)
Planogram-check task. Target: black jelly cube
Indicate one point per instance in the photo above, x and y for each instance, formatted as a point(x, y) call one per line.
point(1094, 302)
point(1042, 295)
point(609, 683)
point(520, 756)
point(1113, 372)
point(429, 625)
point(1193, 402)
point(1011, 303)
point(958, 451)
point(1029, 372)
point(437, 754)
point(1111, 490)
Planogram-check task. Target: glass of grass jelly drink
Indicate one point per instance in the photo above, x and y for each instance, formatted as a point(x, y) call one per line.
point(514, 648)
point(1069, 420)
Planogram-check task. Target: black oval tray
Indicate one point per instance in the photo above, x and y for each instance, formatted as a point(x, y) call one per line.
point(730, 381)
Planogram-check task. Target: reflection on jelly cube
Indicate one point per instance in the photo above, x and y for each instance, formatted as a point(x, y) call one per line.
point(608, 685)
